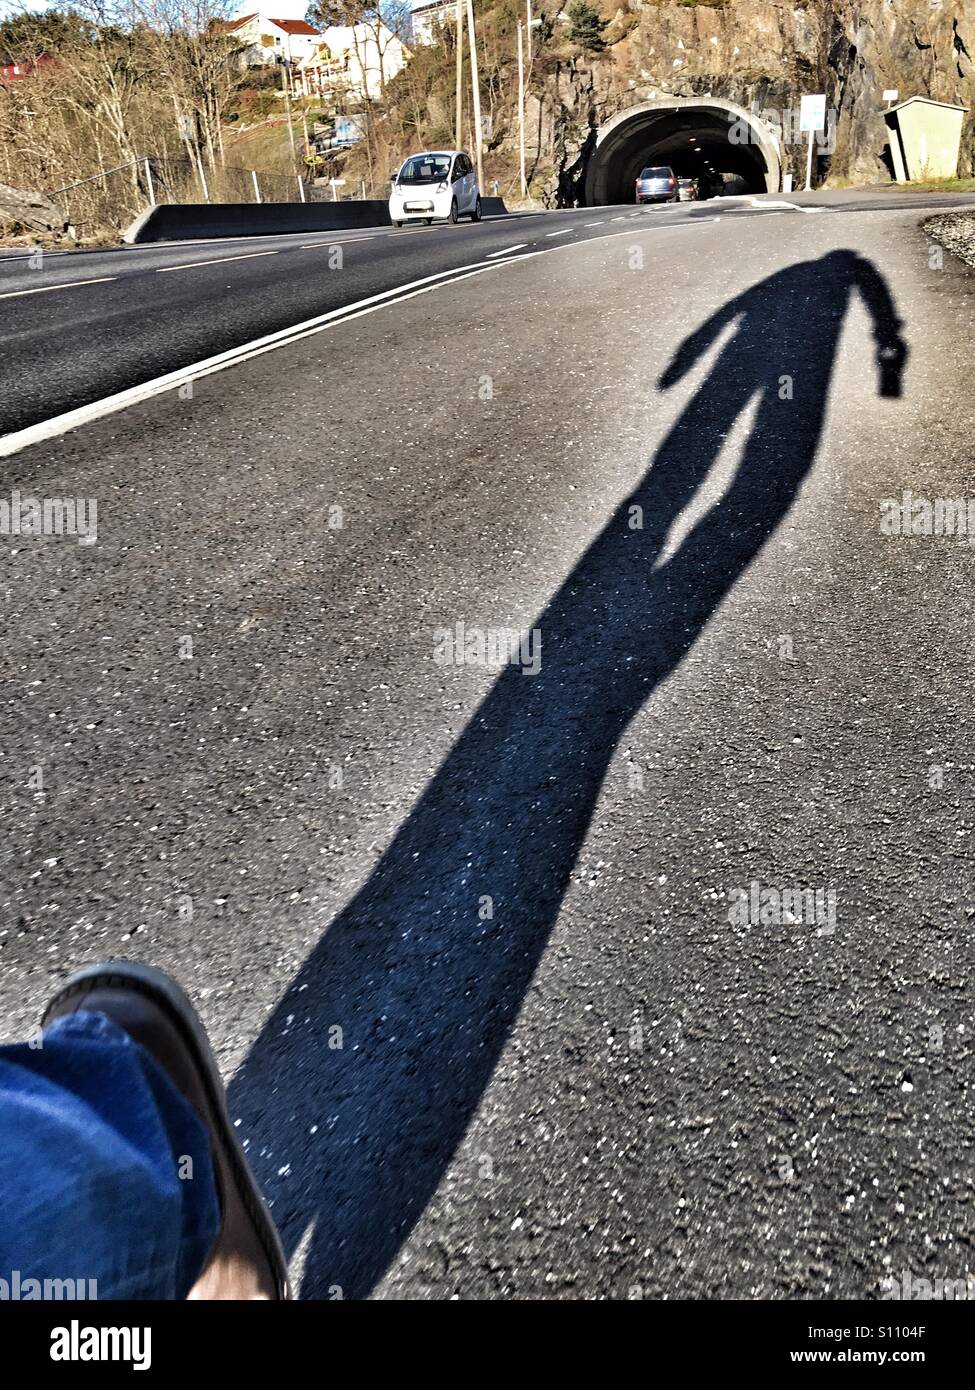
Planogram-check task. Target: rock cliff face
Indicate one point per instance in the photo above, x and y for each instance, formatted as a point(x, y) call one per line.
point(27, 211)
point(764, 56)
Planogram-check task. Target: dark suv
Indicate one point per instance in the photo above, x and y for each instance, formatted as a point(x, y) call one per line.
point(657, 185)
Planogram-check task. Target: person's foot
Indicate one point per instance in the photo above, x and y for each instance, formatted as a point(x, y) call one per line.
point(247, 1261)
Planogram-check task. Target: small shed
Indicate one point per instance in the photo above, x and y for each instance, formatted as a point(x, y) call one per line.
point(925, 137)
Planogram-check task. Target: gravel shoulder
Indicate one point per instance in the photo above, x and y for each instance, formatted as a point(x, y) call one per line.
point(955, 231)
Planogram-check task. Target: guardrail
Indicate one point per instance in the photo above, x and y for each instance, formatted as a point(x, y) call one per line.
point(204, 221)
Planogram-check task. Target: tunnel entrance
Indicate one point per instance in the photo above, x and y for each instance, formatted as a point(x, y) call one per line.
point(699, 137)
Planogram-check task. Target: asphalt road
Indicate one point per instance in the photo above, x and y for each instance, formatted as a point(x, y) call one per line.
point(497, 1020)
point(78, 327)
point(86, 325)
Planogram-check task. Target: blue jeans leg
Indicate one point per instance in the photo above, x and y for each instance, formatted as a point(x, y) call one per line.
point(106, 1173)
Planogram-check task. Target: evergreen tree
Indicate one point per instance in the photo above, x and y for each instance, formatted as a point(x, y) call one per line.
point(586, 27)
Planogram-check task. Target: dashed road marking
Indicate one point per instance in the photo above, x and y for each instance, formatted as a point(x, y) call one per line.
point(221, 260)
point(71, 285)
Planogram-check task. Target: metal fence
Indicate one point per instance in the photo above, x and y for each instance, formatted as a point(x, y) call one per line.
point(111, 198)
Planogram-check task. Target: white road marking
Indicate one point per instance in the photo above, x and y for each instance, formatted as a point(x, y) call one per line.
point(758, 203)
point(794, 207)
point(254, 239)
point(618, 219)
point(595, 224)
point(507, 250)
point(95, 410)
point(563, 232)
point(219, 260)
point(336, 241)
point(109, 405)
point(70, 285)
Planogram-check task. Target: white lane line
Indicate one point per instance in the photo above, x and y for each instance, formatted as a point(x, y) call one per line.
point(793, 207)
point(70, 285)
point(563, 232)
point(60, 424)
point(199, 243)
point(336, 241)
point(220, 260)
point(618, 219)
point(737, 205)
point(595, 224)
point(520, 246)
point(109, 405)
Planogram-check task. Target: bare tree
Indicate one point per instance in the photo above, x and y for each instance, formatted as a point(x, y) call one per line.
point(371, 29)
point(103, 86)
point(198, 63)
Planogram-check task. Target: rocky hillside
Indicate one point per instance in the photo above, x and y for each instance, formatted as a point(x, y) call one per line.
point(753, 51)
point(759, 54)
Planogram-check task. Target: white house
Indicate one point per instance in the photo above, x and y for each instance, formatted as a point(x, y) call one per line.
point(268, 39)
point(356, 59)
point(430, 15)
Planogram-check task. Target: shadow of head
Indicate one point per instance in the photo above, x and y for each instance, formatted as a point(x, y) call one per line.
point(359, 1089)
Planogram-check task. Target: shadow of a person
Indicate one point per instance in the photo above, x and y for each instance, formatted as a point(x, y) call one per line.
point(425, 991)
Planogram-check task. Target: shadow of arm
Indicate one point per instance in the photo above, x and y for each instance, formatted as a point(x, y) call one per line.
point(892, 350)
point(698, 343)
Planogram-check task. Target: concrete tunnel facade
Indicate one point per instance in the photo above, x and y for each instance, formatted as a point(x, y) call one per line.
point(689, 134)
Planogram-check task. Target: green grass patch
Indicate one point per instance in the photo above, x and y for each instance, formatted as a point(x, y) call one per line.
point(940, 186)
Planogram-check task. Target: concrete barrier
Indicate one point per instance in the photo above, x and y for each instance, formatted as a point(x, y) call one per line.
point(203, 221)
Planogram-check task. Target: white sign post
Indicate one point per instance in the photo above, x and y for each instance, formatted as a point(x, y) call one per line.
point(812, 118)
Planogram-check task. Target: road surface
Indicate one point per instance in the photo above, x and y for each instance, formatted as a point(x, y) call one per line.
point(501, 966)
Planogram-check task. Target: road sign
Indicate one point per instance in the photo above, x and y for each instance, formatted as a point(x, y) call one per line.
point(812, 117)
point(891, 94)
point(812, 112)
point(347, 130)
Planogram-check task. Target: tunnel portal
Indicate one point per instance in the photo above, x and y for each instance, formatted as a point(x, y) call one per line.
point(700, 137)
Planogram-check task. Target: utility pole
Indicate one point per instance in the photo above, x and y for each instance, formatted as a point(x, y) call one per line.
point(476, 91)
point(459, 121)
point(287, 110)
point(521, 108)
point(521, 97)
point(528, 6)
point(809, 161)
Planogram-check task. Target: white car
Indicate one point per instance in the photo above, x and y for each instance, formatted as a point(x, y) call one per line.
point(439, 183)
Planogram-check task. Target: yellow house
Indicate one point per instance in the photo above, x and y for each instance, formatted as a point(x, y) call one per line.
point(925, 137)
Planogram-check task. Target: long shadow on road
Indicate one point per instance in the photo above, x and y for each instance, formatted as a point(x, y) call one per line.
point(425, 992)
